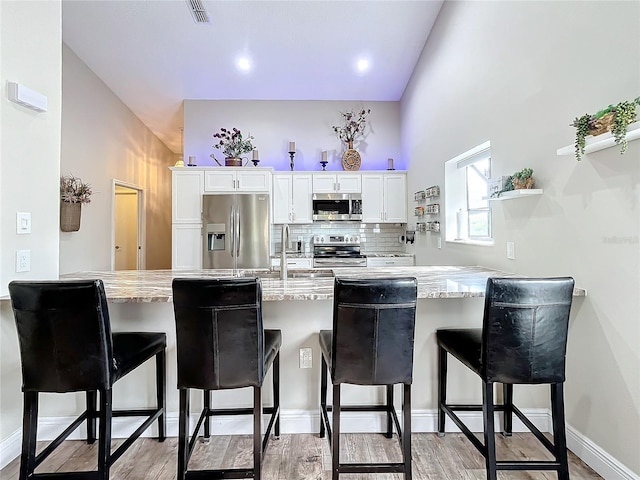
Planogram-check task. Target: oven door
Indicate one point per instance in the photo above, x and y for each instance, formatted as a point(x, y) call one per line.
point(335, 262)
point(331, 207)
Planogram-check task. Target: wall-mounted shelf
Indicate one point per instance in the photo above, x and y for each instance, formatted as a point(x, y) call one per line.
point(523, 192)
point(603, 141)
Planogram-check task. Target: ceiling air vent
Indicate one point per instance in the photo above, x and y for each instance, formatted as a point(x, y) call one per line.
point(198, 12)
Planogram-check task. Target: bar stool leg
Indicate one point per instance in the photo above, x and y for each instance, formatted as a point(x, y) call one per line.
point(442, 388)
point(559, 434)
point(276, 393)
point(161, 394)
point(323, 393)
point(389, 433)
point(183, 434)
point(104, 436)
point(489, 431)
point(206, 402)
point(92, 398)
point(507, 393)
point(29, 433)
point(257, 433)
point(406, 433)
point(335, 437)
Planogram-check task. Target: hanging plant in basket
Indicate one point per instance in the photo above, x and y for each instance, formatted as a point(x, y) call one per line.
point(73, 193)
point(614, 118)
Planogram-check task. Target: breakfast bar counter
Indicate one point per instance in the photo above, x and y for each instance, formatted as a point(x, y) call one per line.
point(301, 306)
point(133, 286)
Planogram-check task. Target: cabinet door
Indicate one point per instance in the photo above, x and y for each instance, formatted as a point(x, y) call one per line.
point(324, 183)
point(222, 181)
point(186, 197)
point(301, 198)
point(281, 203)
point(372, 201)
point(395, 198)
point(186, 246)
point(253, 181)
point(349, 183)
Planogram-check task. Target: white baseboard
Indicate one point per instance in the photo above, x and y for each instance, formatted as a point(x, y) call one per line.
point(305, 421)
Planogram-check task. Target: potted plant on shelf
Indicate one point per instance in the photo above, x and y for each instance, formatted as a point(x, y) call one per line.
point(233, 145)
point(73, 193)
point(615, 118)
point(354, 125)
point(518, 181)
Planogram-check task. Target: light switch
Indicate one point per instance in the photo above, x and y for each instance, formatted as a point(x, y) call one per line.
point(511, 250)
point(23, 222)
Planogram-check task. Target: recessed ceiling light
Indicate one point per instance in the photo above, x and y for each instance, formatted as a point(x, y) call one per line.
point(243, 64)
point(363, 65)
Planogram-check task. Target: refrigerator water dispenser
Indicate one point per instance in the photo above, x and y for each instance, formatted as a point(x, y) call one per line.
point(216, 237)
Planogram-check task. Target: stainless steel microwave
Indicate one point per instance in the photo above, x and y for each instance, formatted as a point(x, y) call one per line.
point(329, 207)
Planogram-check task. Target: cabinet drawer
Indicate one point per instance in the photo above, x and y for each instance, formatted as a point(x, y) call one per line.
point(294, 263)
point(389, 261)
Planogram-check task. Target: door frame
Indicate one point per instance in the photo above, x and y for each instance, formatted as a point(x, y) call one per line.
point(142, 237)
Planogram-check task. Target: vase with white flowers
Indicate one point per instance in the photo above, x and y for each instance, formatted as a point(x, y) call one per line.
point(233, 145)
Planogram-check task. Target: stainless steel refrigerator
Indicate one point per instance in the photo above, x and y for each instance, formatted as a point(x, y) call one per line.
point(235, 231)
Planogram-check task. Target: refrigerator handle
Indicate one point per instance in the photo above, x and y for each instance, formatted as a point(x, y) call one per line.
point(237, 231)
point(232, 221)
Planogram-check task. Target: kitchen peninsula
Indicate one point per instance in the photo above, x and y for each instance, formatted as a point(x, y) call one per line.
point(300, 307)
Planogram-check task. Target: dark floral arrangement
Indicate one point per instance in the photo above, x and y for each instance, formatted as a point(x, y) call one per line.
point(354, 124)
point(232, 143)
point(73, 190)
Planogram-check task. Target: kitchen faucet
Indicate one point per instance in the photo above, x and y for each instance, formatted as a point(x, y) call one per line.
point(283, 251)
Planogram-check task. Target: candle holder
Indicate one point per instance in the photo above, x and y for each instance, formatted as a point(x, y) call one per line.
point(255, 162)
point(291, 164)
point(324, 164)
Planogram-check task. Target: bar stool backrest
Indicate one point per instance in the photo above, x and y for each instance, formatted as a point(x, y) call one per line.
point(64, 335)
point(219, 332)
point(524, 337)
point(373, 331)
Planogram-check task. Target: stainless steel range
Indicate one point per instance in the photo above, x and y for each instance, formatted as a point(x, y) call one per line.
point(337, 251)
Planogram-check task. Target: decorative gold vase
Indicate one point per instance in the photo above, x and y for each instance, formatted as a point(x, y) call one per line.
point(70, 216)
point(233, 162)
point(351, 159)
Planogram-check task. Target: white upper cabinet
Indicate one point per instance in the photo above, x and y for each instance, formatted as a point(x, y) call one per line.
point(384, 198)
point(186, 196)
point(292, 198)
point(227, 179)
point(337, 183)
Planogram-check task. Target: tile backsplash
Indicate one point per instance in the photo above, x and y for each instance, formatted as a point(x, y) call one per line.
point(374, 237)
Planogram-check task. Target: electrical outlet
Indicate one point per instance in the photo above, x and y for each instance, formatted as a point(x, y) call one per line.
point(511, 250)
point(23, 261)
point(306, 357)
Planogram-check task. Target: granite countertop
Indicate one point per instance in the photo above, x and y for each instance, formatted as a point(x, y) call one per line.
point(373, 254)
point(144, 286)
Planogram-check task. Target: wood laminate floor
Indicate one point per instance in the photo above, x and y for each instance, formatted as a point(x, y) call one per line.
point(307, 457)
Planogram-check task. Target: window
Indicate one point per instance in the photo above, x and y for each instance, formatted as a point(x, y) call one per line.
point(466, 178)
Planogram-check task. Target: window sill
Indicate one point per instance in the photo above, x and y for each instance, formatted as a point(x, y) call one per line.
point(478, 243)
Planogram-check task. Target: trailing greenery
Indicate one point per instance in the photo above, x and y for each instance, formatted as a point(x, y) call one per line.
point(624, 113)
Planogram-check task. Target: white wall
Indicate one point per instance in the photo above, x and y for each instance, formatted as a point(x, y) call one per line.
point(275, 123)
point(103, 140)
point(30, 42)
point(517, 74)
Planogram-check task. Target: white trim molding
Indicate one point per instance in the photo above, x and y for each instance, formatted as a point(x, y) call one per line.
point(306, 421)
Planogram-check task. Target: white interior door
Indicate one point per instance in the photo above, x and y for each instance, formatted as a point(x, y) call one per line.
point(126, 228)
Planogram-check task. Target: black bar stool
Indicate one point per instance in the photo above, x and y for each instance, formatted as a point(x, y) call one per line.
point(221, 344)
point(523, 340)
point(371, 344)
point(66, 345)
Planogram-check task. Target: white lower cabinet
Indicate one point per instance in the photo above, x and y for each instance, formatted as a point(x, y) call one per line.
point(186, 246)
point(390, 261)
point(384, 198)
point(292, 198)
